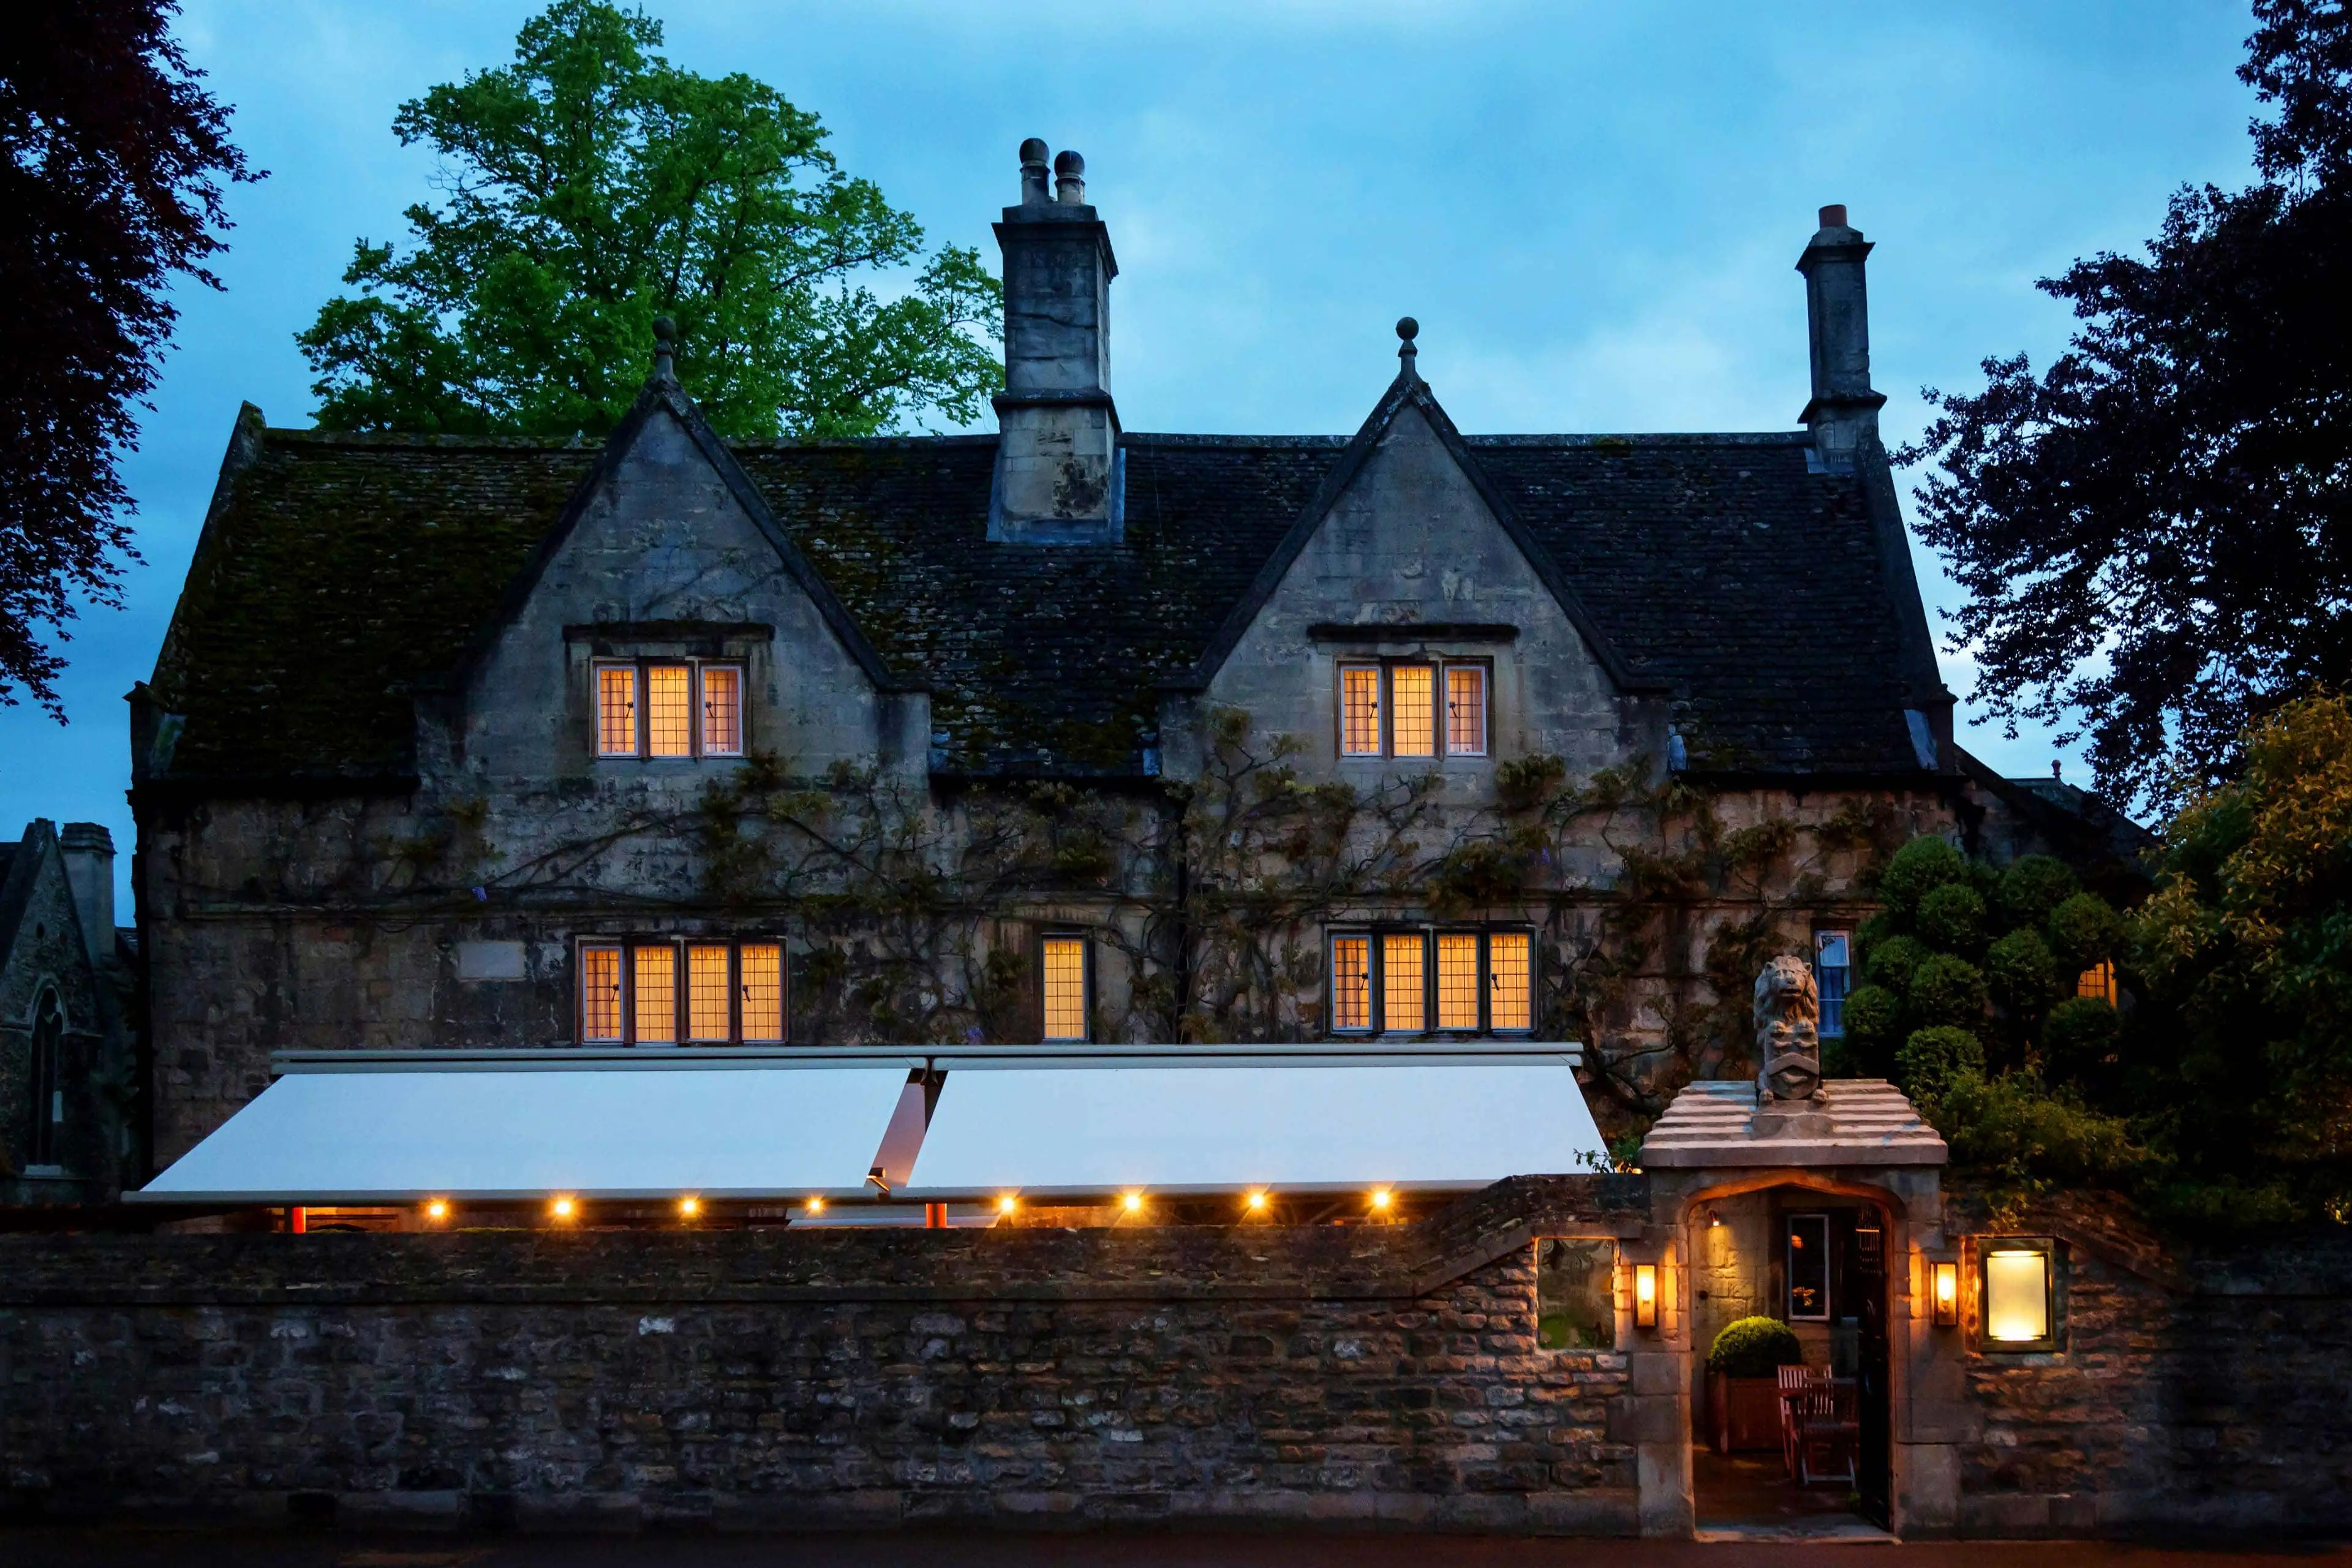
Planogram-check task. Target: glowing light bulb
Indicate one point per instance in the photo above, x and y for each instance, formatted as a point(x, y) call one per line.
point(1381, 1199)
point(1257, 1201)
point(1134, 1202)
point(817, 1206)
point(436, 1209)
point(563, 1208)
point(1007, 1203)
point(689, 1207)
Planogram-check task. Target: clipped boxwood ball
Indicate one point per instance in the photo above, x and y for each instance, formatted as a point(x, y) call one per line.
point(2079, 1036)
point(1873, 1019)
point(2023, 972)
point(1951, 916)
point(2082, 931)
point(2033, 885)
point(1948, 990)
point(1916, 870)
point(1755, 1347)
point(1931, 1058)
point(1889, 962)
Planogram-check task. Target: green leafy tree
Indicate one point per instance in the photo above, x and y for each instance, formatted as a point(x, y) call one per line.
point(591, 185)
point(2242, 1046)
point(2155, 532)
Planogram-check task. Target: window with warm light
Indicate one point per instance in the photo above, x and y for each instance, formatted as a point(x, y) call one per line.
point(1413, 708)
point(658, 991)
point(1064, 970)
point(1411, 982)
point(669, 709)
point(2099, 982)
point(2017, 1304)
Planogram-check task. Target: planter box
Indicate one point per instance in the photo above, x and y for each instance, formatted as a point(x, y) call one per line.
point(1745, 1413)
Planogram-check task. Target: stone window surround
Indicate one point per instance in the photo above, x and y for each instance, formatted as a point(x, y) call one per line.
point(627, 944)
point(1974, 1270)
point(642, 664)
point(1376, 930)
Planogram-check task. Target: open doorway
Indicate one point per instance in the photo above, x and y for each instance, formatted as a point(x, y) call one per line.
point(1814, 1460)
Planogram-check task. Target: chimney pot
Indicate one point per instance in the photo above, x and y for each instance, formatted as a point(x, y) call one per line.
point(1833, 215)
point(1033, 155)
point(1069, 179)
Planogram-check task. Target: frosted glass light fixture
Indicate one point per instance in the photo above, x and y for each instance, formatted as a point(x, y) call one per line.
point(2016, 1296)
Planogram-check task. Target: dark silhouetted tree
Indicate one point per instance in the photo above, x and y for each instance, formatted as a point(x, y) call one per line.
point(2156, 533)
point(112, 165)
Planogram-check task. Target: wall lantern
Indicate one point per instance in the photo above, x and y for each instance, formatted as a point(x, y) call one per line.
point(2017, 1308)
point(1646, 1295)
point(1946, 1277)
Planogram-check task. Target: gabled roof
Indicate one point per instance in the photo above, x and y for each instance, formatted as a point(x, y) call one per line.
point(1757, 594)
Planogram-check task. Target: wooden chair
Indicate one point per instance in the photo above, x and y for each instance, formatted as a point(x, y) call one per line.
point(1796, 1380)
point(1828, 1426)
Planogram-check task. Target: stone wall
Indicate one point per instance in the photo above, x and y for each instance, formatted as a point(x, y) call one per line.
point(2210, 1393)
point(1345, 1375)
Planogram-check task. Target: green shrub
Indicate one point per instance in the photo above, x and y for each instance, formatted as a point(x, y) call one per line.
point(1755, 1347)
point(2082, 931)
point(1873, 1020)
point(2023, 973)
point(1932, 1059)
point(1951, 916)
point(1946, 990)
point(1915, 871)
point(2028, 1136)
point(1890, 961)
point(2078, 1038)
point(2033, 885)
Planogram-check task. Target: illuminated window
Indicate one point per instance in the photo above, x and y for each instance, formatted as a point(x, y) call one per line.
point(2098, 980)
point(1466, 710)
point(616, 711)
point(707, 1013)
point(1457, 980)
point(1393, 710)
point(686, 709)
point(1809, 1268)
point(1510, 1003)
point(722, 711)
point(634, 992)
point(654, 996)
point(1403, 1005)
point(1066, 987)
point(1834, 975)
point(1359, 697)
point(669, 709)
point(2017, 1308)
point(762, 964)
point(1413, 710)
point(1351, 983)
point(600, 994)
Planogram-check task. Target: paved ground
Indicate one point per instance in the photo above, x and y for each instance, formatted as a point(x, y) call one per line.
point(124, 1549)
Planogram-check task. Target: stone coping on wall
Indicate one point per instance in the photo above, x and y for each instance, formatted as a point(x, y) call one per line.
point(1850, 1123)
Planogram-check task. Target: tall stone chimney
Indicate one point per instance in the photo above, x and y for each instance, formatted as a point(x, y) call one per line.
point(1843, 413)
point(88, 850)
point(1057, 469)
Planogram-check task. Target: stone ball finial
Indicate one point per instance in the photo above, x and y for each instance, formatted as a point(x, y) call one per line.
point(665, 346)
point(664, 331)
point(1408, 329)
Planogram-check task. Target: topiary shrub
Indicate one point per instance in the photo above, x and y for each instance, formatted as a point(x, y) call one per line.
point(1755, 1347)
point(1951, 916)
point(1917, 868)
point(2078, 1038)
point(2033, 885)
point(1932, 1060)
point(2082, 931)
point(1946, 990)
point(2023, 973)
point(1874, 1023)
point(1890, 961)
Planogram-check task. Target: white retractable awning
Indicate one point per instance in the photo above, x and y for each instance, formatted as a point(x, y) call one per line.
point(1294, 1126)
point(388, 1135)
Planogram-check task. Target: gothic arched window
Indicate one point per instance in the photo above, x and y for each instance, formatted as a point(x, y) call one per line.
point(47, 1096)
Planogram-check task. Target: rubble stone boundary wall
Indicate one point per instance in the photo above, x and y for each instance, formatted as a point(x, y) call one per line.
point(1342, 1376)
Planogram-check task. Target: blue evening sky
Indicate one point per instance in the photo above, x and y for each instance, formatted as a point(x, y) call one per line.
point(1592, 209)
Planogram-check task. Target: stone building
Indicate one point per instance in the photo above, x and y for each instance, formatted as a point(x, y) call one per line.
point(69, 1079)
point(1065, 732)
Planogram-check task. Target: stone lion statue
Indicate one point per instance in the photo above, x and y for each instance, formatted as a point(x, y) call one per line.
point(1787, 1031)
